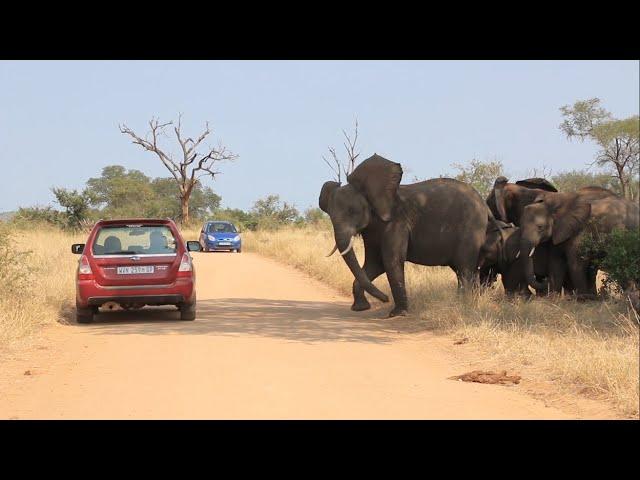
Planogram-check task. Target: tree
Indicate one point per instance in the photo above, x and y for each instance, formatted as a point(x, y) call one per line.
point(573, 180)
point(271, 212)
point(339, 167)
point(121, 193)
point(315, 215)
point(238, 217)
point(191, 166)
point(618, 140)
point(203, 202)
point(480, 175)
point(77, 206)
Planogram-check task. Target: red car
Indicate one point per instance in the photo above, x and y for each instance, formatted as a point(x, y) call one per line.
point(133, 263)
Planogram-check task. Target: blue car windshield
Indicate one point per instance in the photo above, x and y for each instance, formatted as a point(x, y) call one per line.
point(218, 227)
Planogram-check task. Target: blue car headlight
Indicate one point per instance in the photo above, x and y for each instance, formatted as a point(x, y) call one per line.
point(236, 238)
point(211, 238)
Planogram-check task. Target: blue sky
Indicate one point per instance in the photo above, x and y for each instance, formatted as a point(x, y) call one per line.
point(59, 120)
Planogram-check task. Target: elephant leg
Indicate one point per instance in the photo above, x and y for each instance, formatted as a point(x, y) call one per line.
point(558, 275)
point(578, 270)
point(395, 275)
point(592, 275)
point(373, 269)
point(578, 275)
point(394, 254)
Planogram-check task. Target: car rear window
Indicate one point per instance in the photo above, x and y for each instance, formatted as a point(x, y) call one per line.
point(217, 227)
point(134, 239)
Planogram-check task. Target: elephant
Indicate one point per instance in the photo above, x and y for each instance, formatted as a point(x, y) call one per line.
point(507, 200)
point(563, 219)
point(435, 222)
point(500, 253)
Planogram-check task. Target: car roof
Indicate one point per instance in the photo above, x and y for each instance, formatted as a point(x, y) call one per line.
point(144, 221)
point(219, 221)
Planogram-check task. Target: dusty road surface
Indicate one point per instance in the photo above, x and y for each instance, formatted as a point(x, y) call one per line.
point(268, 343)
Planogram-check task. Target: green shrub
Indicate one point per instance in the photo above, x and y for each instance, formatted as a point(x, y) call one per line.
point(617, 254)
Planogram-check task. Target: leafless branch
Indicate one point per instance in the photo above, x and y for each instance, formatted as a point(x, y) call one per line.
point(193, 165)
point(338, 167)
point(350, 147)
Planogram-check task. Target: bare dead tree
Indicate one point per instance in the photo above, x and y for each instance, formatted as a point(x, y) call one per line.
point(339, 167)
point(544, 172)
point(190, 164)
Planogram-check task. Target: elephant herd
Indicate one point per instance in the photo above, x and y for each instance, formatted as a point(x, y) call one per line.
point(527, 231)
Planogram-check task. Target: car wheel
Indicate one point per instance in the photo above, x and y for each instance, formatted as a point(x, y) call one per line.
point(188, 312)
point(84, 315)
point(239, 250)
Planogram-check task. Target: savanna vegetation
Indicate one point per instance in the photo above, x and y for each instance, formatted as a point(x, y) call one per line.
point(590, 347)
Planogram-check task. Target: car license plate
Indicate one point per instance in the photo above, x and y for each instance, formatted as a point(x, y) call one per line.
point(134, 270)
point(224, 243)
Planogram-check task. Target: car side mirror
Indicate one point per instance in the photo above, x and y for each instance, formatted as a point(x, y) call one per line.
point(193, 246)
point(77, 248)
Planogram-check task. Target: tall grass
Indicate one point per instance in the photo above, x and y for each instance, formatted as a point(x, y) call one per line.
point(590, 347)
point(43, 290)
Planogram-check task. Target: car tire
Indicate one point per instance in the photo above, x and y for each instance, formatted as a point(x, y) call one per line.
point(188, 312)
point(239, 250)
point(84, 315)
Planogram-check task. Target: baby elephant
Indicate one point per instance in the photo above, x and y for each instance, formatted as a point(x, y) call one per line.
point(502, 255)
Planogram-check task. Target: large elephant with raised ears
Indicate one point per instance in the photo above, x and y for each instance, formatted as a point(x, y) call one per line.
point(435, 222)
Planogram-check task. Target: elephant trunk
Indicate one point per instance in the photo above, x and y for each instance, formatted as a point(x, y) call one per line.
point(527, 249)
point(498, 191)
point(344, 242)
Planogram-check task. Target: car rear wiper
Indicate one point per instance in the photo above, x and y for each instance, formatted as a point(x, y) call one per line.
point(122, 252)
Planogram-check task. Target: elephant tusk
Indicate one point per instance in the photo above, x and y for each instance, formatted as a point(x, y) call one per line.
point(518, 254)
point(533, 249)
point(348, 249)
point(333, 251)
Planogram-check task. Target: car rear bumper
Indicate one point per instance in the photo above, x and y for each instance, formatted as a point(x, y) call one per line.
point(139, 299)
point(90, 293)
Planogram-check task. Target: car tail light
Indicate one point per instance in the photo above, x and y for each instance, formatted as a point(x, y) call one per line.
point(84, 269)
point(185, 263)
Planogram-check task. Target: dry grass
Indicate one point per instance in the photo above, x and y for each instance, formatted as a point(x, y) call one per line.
point(46, 291)
point(590, 347)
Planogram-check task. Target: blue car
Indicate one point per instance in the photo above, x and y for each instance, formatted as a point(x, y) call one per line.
point(220, 236)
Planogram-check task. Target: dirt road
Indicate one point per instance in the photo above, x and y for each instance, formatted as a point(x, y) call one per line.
point(268, 343)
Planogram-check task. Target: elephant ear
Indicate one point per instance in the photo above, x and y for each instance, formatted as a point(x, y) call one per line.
point(325, 194)
point(539, 183)
point(378, 180)
point(569, 220)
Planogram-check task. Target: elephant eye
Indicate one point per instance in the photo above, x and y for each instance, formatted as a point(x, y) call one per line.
point(352, 211)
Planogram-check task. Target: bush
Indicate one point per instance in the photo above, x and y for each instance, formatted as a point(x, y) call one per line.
point(617, 254)
point(13, 273)
point(26, 217)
